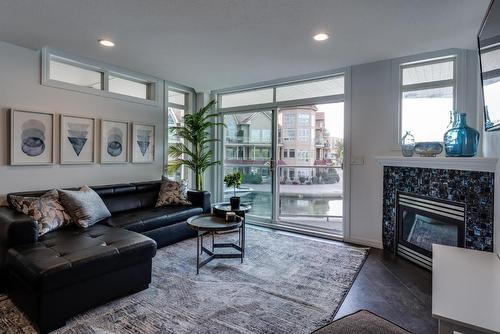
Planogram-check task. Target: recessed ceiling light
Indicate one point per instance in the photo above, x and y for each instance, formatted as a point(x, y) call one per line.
point(106, 42)
point(321, 37)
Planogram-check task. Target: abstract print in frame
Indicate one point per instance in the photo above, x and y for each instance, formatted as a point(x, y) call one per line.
point(143, 143)
point(114, 142)
point(31, 137)
point(77, 140)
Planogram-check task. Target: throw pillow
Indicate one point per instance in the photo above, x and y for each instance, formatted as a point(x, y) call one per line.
point(172, 192)
point(85, 206)
point(46, 210)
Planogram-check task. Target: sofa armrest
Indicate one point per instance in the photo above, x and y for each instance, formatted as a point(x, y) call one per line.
point(15, 228)
point(201, 199)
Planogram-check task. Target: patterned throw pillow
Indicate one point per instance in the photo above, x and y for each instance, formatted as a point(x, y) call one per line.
point(46, 210)
point(172, 192)
point(85, 206)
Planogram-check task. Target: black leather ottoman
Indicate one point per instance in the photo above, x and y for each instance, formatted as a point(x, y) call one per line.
point(71, 270)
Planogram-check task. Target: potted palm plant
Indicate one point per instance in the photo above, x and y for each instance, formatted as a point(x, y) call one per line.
point(193, 150)
point(234, 180)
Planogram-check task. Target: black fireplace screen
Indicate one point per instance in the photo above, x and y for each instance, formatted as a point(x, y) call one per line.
point(423, 231)
point(423, 221)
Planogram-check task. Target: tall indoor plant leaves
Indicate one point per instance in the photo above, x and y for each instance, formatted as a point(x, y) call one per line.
point(194, 149)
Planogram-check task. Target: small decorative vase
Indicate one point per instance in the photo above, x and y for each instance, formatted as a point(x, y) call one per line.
point(461, 140)
point(235, 202)
point(407, 144)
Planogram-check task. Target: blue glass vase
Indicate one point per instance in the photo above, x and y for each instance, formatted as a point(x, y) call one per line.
point(461, 140)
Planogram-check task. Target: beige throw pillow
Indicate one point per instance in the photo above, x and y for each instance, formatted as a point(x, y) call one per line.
point(172, 193)
point(46, 210)
point(85, 206)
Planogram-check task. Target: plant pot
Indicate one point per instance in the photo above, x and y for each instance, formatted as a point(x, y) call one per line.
point(235, 202)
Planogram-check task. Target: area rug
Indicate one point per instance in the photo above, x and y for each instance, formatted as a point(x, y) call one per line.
point(287, 284)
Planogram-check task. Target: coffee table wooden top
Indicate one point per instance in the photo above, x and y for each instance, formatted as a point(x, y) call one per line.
point(211, 222)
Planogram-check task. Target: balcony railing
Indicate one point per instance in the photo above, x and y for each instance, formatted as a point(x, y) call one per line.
point(313, 196)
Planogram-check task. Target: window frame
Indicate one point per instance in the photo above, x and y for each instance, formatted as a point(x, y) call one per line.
point(458, 83)
point(150, 91)
point(275, 84)
point(189, 104)
point(154, 88)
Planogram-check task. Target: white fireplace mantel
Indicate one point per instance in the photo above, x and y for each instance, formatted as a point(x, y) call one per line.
point(479, 164)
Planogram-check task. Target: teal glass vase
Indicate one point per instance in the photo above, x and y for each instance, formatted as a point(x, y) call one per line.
point(461, 140)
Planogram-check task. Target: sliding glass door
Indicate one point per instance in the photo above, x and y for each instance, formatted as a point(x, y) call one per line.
point(288, 142)
point(310, 166)
point(248, 148)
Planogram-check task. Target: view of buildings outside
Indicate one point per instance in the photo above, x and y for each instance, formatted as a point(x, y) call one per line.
point(309, 162)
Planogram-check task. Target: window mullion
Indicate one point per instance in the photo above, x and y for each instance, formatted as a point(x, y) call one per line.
point(429, 85)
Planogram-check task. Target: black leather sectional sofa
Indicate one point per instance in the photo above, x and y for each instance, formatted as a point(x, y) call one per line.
point(56, 276)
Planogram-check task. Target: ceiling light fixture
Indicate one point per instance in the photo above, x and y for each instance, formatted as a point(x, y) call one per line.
point(321, 37)
point(106, 42)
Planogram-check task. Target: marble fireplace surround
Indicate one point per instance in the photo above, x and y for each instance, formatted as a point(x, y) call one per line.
point(463, 180)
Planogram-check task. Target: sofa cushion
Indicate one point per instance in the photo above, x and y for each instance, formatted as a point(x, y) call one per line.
point(173, 192)
point(150, 219)
point(46, 210)
point(71, 255)
point(127, 197)
point(85, 206)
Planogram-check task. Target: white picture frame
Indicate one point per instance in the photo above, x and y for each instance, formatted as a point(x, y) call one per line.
point(77, 140)
point(114, 142)
point(143, 143)
point(32, 137)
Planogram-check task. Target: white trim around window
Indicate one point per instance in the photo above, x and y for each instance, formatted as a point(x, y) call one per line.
point(459, 82)
point(153, 85)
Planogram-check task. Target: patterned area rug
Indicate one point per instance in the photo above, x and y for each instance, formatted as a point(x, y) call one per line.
point(287, 284)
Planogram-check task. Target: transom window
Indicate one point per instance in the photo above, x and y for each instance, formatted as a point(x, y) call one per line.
point(427, 97)
point(69, 72)
point(293, 91)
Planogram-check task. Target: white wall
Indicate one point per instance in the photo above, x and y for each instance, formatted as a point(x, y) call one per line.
point(373, 125)
point(20, 88)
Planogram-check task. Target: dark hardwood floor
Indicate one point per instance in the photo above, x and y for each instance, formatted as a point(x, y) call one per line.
point(395, 289)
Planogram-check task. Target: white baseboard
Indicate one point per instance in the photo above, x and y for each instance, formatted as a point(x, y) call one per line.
point(365, 242)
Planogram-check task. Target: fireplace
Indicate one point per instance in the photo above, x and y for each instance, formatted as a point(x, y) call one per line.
point(423, 221)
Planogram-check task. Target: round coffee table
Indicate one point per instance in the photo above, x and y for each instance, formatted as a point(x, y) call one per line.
point(211, 224)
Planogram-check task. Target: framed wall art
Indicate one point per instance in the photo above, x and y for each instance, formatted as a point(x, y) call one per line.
point(31, 138)
point(114, 142)
point(77, 140)
point(143, 143)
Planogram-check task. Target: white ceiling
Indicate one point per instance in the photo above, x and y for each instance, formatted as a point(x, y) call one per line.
point(210, 44)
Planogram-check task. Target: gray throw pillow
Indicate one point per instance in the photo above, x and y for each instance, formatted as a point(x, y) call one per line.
point(85, 206)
